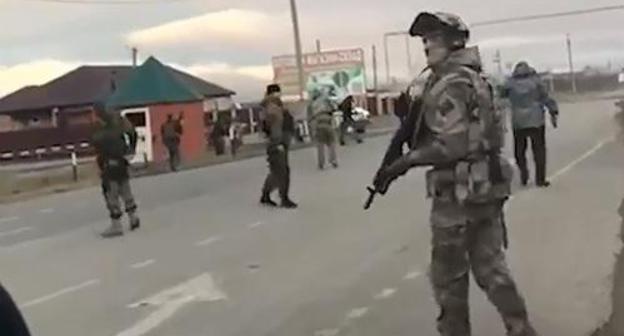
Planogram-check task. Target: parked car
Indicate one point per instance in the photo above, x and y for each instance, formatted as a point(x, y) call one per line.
point(361, 118)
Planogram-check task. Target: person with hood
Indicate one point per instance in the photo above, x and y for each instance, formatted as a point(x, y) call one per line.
point(459, 137)
point(529, 100)
point(114, 140)
point(277, 129)
point(322, 116)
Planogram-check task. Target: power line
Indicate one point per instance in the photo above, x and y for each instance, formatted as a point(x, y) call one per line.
point(110, 2)
point(532, 17)
point(549, 16)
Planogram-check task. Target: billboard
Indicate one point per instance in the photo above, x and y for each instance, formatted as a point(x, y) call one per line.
point(341, 72)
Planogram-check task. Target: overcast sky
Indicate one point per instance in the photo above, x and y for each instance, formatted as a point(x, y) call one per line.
point(231, 42)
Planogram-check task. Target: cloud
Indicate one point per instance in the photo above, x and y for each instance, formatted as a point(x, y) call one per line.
point(261, 72)
point(247, 81)
point(228, 28)
point(37, 72)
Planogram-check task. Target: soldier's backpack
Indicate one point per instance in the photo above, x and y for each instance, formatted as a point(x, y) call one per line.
point(487, 175)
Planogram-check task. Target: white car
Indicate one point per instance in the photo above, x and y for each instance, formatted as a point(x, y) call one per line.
point(361, 118)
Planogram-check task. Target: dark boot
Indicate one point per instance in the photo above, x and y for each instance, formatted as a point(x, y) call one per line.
point(543, 184)
point(135, 222)
point(266, 200)
point(524, 177)
point(114, 230)
point(289, 204)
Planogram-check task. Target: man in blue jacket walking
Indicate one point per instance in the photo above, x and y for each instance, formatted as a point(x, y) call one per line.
point(529, 103)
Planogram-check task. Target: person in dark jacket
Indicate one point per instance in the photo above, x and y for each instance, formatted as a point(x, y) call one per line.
point(171, 133)
point(529, 100)
point(276, 127)
point(218, 134)
point(11, 320)
point(346, 107)
point(114, 140)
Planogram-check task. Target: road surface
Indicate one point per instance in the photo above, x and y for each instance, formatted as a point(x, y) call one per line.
point(210, 261)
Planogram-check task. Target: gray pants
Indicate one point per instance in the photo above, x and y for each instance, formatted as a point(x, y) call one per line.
point(325, 137)
point(114, 193)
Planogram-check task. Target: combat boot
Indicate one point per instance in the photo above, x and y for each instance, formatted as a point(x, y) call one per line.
point(267, 201)
point(135, 222)
point(114, 230)
point(289, 204)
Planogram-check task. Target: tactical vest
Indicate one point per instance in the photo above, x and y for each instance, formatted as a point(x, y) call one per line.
point(485, 175)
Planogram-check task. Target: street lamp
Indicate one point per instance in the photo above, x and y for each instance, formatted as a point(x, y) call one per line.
point(298, 53)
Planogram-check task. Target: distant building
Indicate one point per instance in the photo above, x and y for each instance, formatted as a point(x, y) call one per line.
point(50, 120)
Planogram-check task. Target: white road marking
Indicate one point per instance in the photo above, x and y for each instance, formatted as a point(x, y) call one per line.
point(47, 210)
point(581, 158)
point(327, 332)
point(357, 313)
point(208, 241)
point(169, 301)
point(8, 219)
point(255, 225)
point(386, 294)
point(15, 232)
point(412, 275)
point(143, 264)
point(60, 293)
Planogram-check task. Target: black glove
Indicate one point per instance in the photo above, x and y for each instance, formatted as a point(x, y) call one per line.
point(554, 119)
point(388, 174)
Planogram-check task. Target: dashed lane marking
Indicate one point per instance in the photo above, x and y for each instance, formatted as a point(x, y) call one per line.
point(15, 231)
point(386, 294)
point(208, 241)
point(143, 264)
point(62, 292)
point(8, 219)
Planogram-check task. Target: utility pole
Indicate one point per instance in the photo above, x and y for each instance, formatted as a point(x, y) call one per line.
point(498, 60)
point(387, 58)
point(318, 46)
point(409, 55)
point(571, 62)
point(135, 55)
point(375, 79)
point(298, 53)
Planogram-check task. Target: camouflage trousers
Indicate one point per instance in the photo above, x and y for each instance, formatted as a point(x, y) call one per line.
point(116, 191)
point(470, 238)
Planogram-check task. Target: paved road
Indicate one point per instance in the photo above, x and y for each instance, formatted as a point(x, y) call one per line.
point(209, 261)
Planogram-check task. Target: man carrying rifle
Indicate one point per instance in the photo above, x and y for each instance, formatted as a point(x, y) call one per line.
point(458, 134)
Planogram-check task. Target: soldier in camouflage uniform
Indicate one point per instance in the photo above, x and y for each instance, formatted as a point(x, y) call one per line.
point(279, 132)
point(114, 139)
point(322, 115)
point(457, 134)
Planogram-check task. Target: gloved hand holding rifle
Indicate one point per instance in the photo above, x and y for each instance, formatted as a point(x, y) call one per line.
point(391, 168)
